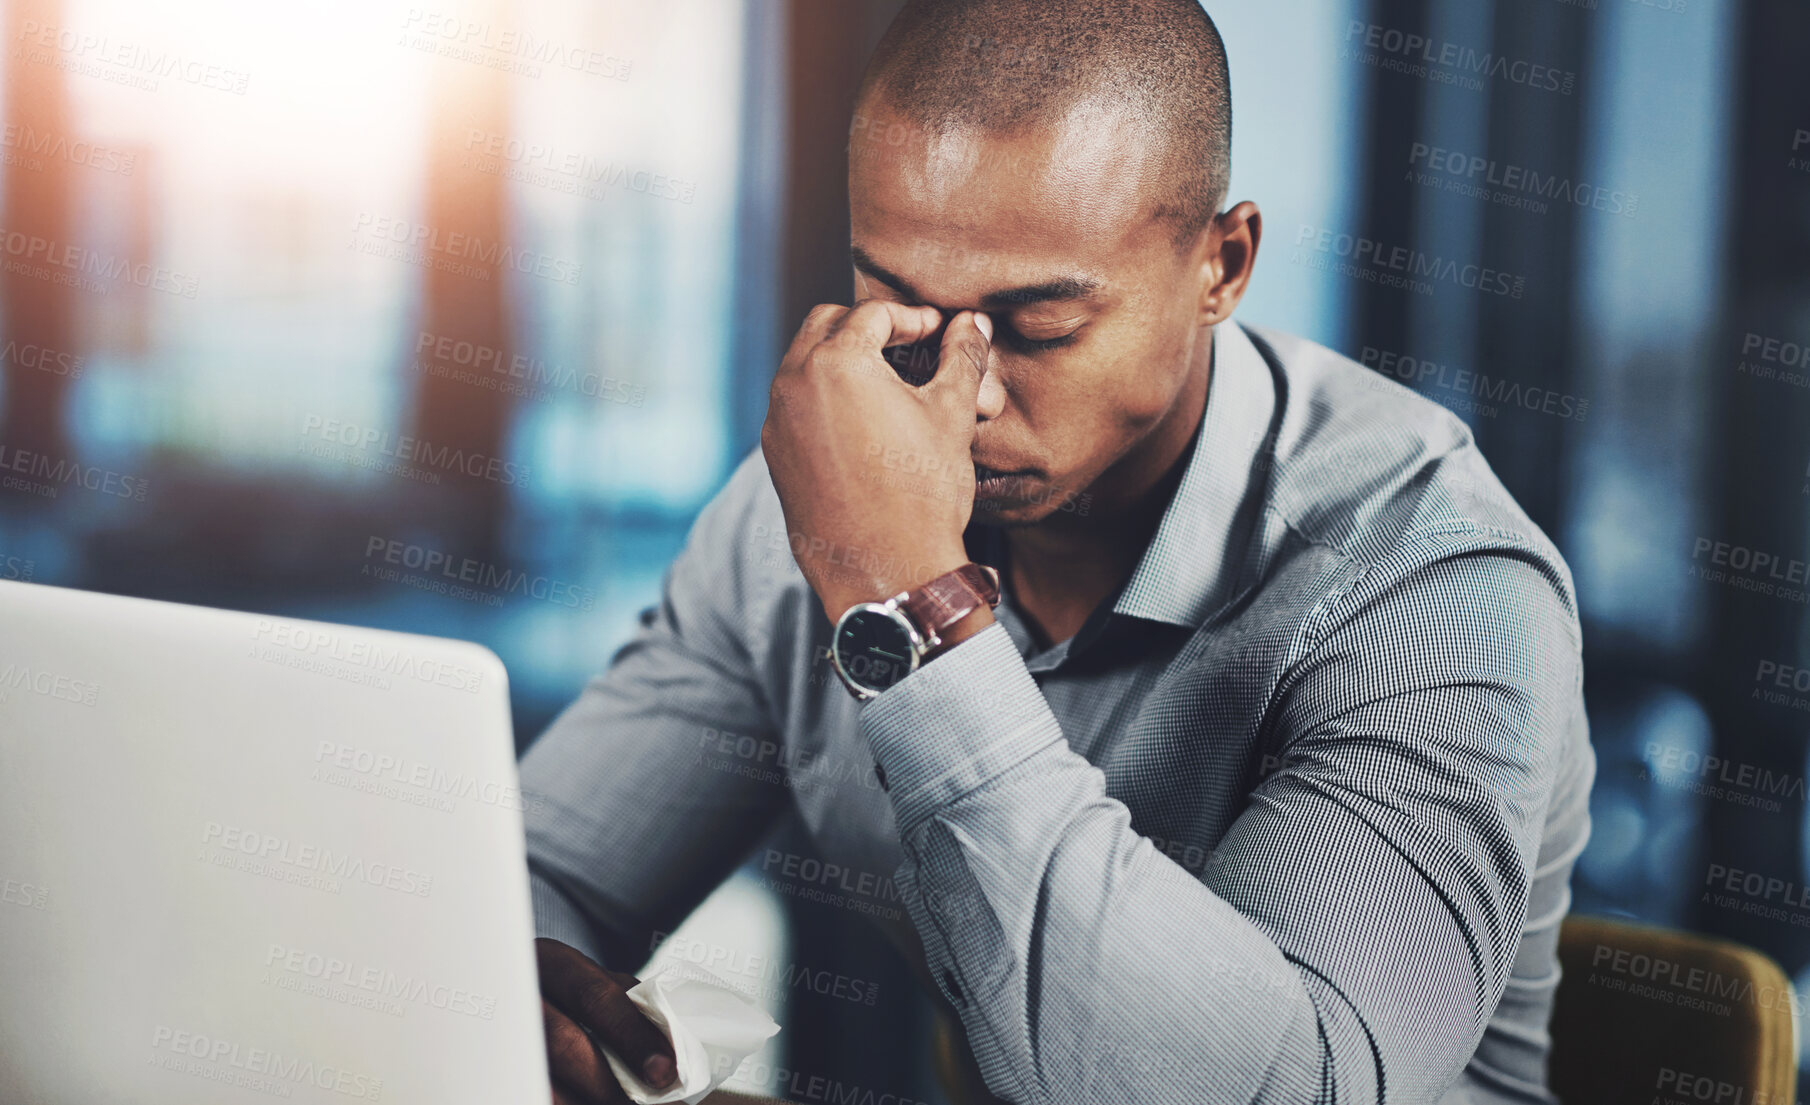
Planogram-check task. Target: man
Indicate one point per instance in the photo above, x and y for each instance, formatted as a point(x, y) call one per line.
point(1263, 780)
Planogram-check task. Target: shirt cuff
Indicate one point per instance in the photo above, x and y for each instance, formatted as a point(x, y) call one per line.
point(555, 916)
point(954, 724)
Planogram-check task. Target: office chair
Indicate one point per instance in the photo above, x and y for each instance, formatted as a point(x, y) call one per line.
point(1647, 1014)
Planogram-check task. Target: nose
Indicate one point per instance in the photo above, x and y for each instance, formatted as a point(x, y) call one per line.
point(991, 399)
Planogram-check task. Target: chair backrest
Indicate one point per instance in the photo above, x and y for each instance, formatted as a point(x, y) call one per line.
point(1647, 1014)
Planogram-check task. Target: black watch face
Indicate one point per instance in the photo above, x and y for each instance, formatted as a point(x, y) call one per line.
point(874, 649)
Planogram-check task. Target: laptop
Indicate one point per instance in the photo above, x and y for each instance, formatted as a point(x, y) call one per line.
point(248, 858)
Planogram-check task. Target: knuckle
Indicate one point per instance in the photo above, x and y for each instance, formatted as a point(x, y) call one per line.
point(599, 992)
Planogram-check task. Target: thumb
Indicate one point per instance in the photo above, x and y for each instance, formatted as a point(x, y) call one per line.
point(967, 345)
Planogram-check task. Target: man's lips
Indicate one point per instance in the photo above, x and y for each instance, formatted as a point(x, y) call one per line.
point(982, 472)
point(998, 480)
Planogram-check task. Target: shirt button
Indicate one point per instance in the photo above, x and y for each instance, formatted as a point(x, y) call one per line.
point(880, 774)
point(953, 988)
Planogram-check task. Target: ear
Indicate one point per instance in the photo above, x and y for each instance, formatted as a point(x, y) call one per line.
point(1231, 255)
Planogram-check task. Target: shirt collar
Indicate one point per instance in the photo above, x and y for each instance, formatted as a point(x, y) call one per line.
point(1192, 566)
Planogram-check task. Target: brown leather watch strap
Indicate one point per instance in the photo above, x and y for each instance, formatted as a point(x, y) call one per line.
point(951, 597)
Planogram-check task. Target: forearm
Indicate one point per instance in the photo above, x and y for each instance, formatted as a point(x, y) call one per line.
point(1085, 964)
point(629, 820)
point(1354, 928)
point(1107, 971)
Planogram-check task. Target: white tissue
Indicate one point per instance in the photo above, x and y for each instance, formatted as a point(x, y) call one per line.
point(711, 1024)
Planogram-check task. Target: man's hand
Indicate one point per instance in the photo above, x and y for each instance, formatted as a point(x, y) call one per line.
point(577, 994)
point(874, 475)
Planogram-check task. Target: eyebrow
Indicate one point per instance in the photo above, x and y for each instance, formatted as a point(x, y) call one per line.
point(1056, 289)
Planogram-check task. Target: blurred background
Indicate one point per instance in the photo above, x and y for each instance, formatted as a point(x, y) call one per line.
point(448, 317)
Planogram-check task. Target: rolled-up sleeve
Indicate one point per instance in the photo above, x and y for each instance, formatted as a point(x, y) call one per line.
point(1359, 919)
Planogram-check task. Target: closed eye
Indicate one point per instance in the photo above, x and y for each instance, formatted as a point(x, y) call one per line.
point(1018, 342)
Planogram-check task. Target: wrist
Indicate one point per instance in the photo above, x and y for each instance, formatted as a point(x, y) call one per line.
point(838, 595)
point(973, 622)
point(876, 644)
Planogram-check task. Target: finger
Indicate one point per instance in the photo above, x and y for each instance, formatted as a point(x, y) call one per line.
point(585, 991)
point(967, 345)
point(817, 323)
point(875, 324)
point(580, 1073)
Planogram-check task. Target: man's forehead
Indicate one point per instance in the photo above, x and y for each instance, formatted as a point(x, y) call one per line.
point(1000, 217)
point(1093, 164)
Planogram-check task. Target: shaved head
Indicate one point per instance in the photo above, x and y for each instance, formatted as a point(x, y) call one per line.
point(1059, 166)
point(1007, 65)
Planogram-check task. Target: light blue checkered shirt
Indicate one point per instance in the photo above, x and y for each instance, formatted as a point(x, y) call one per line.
point(1291, 820)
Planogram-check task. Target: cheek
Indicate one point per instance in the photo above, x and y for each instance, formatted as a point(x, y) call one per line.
point(1084, 403)
point(1133, 390)
point(1114, 390)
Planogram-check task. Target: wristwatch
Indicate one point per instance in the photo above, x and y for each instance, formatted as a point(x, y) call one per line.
point(876, 644)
